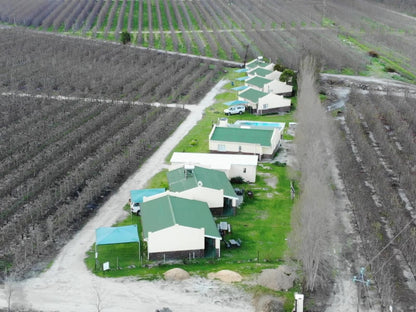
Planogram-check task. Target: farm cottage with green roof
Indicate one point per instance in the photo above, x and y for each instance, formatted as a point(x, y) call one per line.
point(259, 62)
point(269, 85)
point(262, 103)
point(265, 73)
point(250, 140)
point(178, 228)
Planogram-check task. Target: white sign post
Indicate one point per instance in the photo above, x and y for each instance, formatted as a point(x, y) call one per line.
point(106, 266)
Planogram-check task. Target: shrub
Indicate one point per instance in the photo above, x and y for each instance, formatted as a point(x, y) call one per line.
point(287, 75)
point(373, 54)
point(125, 37)
point(279, 67)
point(237, 180)
point(280, 164)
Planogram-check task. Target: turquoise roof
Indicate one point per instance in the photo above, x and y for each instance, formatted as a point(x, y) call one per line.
point(240, 88)
point(243, 78)
point(182, 179)
point(116, 235)
point(243, 135)
point(241, 70)
point(252, 95)
point(235, 102)
point(167, 211)
point(136, 196)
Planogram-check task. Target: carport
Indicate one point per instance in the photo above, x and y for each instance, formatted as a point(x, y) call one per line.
point(116, 235)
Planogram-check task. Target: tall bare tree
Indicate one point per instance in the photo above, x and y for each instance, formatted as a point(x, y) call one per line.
point(310, 239)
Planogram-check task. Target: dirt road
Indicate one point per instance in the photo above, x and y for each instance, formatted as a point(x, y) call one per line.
point(69, 286)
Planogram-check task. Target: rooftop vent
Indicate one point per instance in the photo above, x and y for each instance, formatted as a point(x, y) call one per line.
point(188, 170)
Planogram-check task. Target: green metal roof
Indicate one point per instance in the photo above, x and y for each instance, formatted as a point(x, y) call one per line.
point(215, 179)
point(258, 81)
point(260, 72)
point(252, 95)
point(243, 135)
point(166, 211)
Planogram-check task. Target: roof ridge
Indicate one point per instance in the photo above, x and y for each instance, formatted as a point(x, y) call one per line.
point(171, 210)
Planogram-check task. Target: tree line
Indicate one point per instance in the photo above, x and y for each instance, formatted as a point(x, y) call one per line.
point(313, 216)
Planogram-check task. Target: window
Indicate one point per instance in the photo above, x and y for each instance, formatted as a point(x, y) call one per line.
point(239, 148)
point(221, 147)
point(265, 105)
point(244, 170)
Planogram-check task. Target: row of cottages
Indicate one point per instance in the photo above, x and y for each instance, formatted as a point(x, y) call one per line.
point(179, 223)
point(246, 138)
point(262, 90)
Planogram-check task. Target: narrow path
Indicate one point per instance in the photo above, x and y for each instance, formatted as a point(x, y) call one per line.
point(100, 100)
point(69, 286)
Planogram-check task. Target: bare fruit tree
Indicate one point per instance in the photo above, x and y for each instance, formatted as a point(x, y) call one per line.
point(14, 294)
point(310, 239)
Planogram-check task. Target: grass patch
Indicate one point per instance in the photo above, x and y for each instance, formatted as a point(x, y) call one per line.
point(194, 22)
point(173, 16)
point(164, 21)
point(168, 42)
point(145, 16)
point(347, 71)
point(157, 40)
point(327, 22)
point(135, 21)
point(382, 64)
point(116, 16)
point(181, 43)
point(155, 20)
point(159, 180)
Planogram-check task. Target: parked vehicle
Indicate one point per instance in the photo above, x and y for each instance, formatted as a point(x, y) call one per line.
point(135, 208)
point(237, 109)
